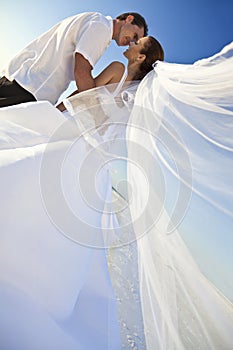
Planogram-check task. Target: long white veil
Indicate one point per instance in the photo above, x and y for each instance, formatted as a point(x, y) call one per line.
point(57, 221)
point(179, 140)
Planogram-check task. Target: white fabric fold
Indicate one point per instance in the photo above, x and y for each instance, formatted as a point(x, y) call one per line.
point(179, 140)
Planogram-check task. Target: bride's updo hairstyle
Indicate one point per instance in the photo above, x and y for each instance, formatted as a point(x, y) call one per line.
point(154, 52)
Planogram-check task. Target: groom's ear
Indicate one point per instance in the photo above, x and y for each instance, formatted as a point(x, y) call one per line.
point(129, 19)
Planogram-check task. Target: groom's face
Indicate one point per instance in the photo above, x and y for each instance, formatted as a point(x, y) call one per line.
point(128, 32)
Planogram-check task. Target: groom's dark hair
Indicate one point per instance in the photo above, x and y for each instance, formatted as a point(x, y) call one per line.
point(138, 20)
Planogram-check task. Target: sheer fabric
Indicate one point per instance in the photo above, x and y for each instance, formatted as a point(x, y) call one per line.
point(55, 289)
point(148, 267)
point(179, 140)
point(57, 221)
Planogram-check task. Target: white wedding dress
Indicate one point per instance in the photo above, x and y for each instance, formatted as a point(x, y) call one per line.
point(85, 267)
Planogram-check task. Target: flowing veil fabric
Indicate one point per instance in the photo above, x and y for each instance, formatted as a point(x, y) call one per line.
point(57, 222)
point(55, 288)
point(146, 265)
point(179, 140)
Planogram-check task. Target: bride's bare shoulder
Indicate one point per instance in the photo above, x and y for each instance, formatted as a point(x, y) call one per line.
point(117, 65)
point(111, 74)
point(117, 70)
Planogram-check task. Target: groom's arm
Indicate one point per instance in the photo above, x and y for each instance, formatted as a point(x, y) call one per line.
point(111, 74)
point(83, 77)
point(83, 73)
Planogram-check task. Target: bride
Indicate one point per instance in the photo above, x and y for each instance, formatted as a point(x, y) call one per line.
point(58, 221)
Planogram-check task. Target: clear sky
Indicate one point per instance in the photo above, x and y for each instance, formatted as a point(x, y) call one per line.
point(188, 30)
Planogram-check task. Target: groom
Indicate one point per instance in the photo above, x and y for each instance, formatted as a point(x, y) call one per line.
point(66, 52)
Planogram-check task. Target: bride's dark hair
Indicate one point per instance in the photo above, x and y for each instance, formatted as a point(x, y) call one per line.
point(153, 51)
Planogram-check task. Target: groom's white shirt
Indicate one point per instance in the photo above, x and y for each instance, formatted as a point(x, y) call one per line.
point(46, 66)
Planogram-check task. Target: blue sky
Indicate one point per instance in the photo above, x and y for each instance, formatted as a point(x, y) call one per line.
point(188, 30)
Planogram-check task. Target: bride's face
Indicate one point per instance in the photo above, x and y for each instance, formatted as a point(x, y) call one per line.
point(135, 48)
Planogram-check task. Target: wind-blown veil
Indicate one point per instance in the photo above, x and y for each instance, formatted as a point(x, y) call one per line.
point(179, 139)
point(58, 221)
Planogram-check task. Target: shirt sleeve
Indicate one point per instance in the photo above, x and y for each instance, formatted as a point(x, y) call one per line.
point(93, 41)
